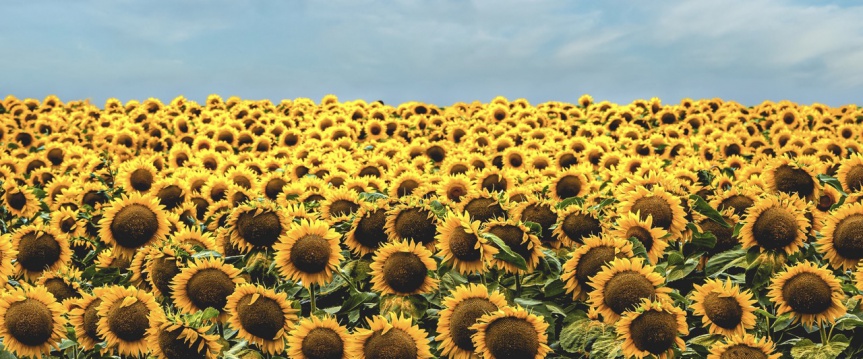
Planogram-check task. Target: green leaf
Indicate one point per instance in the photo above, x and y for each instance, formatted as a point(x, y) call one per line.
point(358, 299)
point(782, 322)
point(535, 228)
point(678, 272)
point(372, 196)
point(638, 248)
point(721, 262)
point(207, 253)
point(506, 254)
point(848, 322)
point(603, 204)
point(209, 313)
point(701, 240)
point(570, 201)
point(701, 206)
point(806, 349)
point(832, 182)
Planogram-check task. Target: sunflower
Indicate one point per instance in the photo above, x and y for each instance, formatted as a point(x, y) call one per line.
point(39, 249)
point(84, 317)
point(792, 176)
point(541, 212)
point(573, 182)
point(589, 259)
point(518, 237)
point(413, 220)
point(124, 319)
point(31, 321)
point(63, 285)
point(404, 184)
point(653, 239)
point(19, 200)
point(273, 184)
point(131, 222)
point(575, 223)
point(257, 225)
point(394, 338)
point(460, 244)
point(812, 294)
point(318, 338)
point(728, 310)
point(483, 206)
point(194, 237)
point(262, 316)
point(622, 284)
point(462, 308)
point(511, 333)
point(7, 253)
point(402, 268)
point(737, 198)
point(841, 243)
point(775, 223)
point(850, 173)
point(216, 188)
point(454, 188)
point(492, 179)
point(339, 204)
point(653, 328)
point(308, 252)
point(164, 264)
point(368, 230)
point(138, 175)
point(67, 221)
point(172, 337)
point(744, 346)
point(664, 207)
point(205, 283)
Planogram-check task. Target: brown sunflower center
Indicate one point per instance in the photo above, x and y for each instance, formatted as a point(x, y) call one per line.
point(404, 272)
point(417, 224)
point(464, 315)
point(591, 262)
point(626, 289)
point(824, 203)
point(395, 344)
point(209, 287)
point(60, 289)
point(494, 183)
point(455, 192)
point(323, 343)
point(463, 245)
point(134, 226)
point(55, 155)
point(725, 312)
point(370, 231)
point(567, 160)
point(725, 238)
point(129, 323)
point(742, 351)
point(162, 273)
point(654, 331)
point(775, 228)
point(173, 347)
point(93, 198)
point(407, 187)
point(854, 178)
point(643, 236)
point(68, 224)
point(576, 226)
point(343, 207)
point(91, 320)
point(16, 200)
point(260, 230)
point(30, 322)
point(848, 237)
point(36, 253)
point(793, 181)
point(568, 186)
point(171, 196)
point(541, 214)
point(513, 236)
point(274, 188)
point(311, 253)
point(511, 338)
point(663, 215)
point(263, 318)
point(484, 209)
point(141, 180)
point(807, 293)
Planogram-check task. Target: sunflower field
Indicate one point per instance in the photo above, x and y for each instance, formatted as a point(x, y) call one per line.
point(247, 229)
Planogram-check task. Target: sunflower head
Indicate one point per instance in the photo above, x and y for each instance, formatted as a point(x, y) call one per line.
point(461, 244)
point(653, 328)
point(368, 230)
point(518, 237)
point(124, 319)
point(390, 338)
point(483, 206)
point(575, 223)
point(402, 268)
point(32, 322)
point(664, 207)
point(775, 223)
point(630, 225)
point(622, 284)
point(132, 222)
point(308, 252)
point(511, 333)
point(39, 248)
point(723, 306)
point(792, 177)
point(744, 346)
point(257, 225)
point(589, 259)
point(318, 338)
point(173, 337)
point(261, 316)
point(462, 308)
point(205, 283)
point(412, 220)
point(842, 240)
point(812, 294)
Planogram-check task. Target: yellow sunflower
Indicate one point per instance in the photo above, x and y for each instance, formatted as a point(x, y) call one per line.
point(744, 346)
point(63, 284)
point(723, 306)
point(124, 319)
point(589, 259)
point(205, 283)
point(19, 201)
point(812, 294)
point(395, 338)
point(172, 337)
point(39, 249)
point(850, 173)
point(792, 176)
point(461, 245)
point(653, 328)
point(412, 220)
point(402, 268)
point(842, 242)
point(665, 208)
point(31, 321)
point(775, 223)
point(131, 222)
point(368, 230)
point(462, 308)
point(622, 284)
point(518, 237)
point(318, 338)
point(541, 212)
point(84, 317)
point(511, 333)
point(308, 253)
point(257, 225)
point(339, 204)
point(573, 182)
point(483, 206)
point(262, 316)
point(7, 253)
point(575, 223)
point(137, 175)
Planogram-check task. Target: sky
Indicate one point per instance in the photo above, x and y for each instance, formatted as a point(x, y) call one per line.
point(438, 52)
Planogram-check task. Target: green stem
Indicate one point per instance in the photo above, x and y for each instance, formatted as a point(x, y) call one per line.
point(830, 333)
point(348, 280)
point(482, 277)
point(517, 284)
point(823, 334)
point(312, 297)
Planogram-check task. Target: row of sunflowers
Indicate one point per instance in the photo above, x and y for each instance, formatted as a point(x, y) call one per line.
point(248, 229)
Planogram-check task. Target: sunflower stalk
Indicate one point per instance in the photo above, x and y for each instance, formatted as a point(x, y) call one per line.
point(312, 299)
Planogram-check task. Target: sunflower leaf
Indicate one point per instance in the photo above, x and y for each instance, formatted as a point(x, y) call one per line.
point(207, 253)
point(638, 248)
point(506, 253)
point(721, 262)
point(782, 322)
point(535, 228)
point(570, 201)
point(209, 313)
point(832, 182)
point(677, 272)
point(701, 206)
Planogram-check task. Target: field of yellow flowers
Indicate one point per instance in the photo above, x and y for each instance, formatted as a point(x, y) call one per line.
point(250, 229)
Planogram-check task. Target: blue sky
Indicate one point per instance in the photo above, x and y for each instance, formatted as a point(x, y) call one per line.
point(434, 51)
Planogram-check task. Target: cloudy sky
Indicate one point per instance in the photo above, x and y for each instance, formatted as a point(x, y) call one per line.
point(439, 51)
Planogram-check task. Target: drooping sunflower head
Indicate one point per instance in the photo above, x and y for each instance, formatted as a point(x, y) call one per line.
point(812, 294)
point(205, 283)
point(483, 206)
point(390, 338)
point(842, 237)
point(744, 346)
point(124, 319)
point(262, 316)
point(412, 220)
point(724, 307)
point(308, 252)
point(631, 225)
point(575, 223)
point(653, 328)
point(665, 208)
point(173, 337)
point(589, 259)
point(461, 244)
point(622, 284)
point(63, 284)
point(519, 238)
point(39, 248)
point(402, 268)
point(511, 333)
point(132, 222)
point(462, 309)
point(163, 264)
point(318, 338)
point(775, 223)
point(257, 225)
